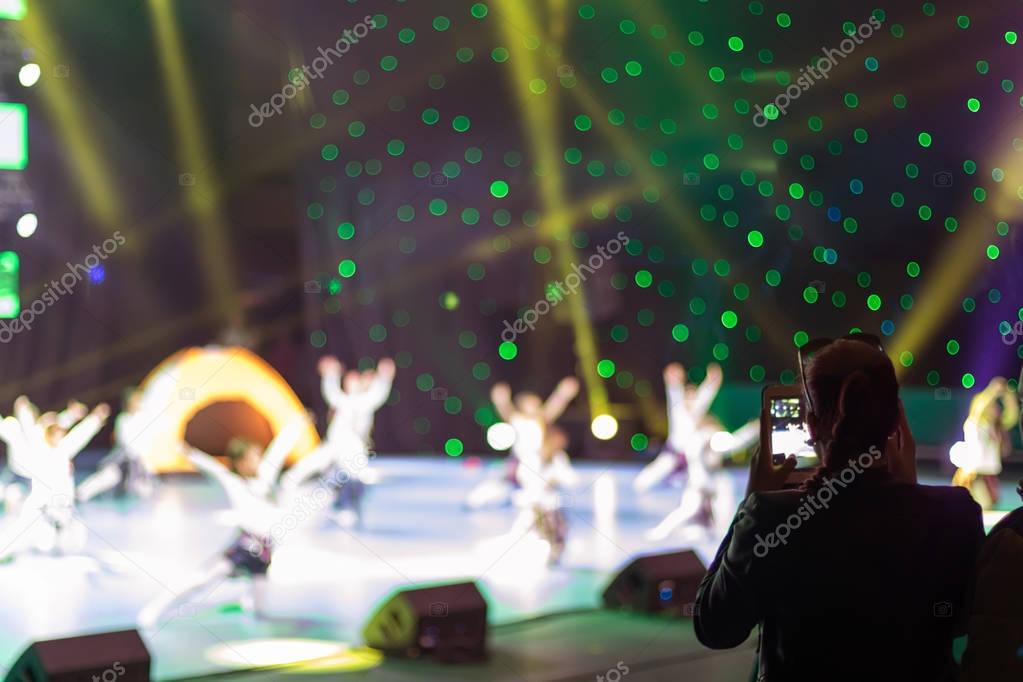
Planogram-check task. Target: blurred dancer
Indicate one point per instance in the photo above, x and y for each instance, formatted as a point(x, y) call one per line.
point(530, 418)
point(993, 413)
point(46, 455)
point(247, 486)
point(344, 455)
point(540, 499)
point(703, 441)
point(124, 470)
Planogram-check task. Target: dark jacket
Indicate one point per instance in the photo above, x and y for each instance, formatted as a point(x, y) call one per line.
point(869, 583)
point(996, 614)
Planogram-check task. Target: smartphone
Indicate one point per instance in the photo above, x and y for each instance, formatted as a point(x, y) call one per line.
point(787, 426)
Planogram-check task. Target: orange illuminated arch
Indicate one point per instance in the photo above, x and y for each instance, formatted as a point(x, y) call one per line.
point(196, 378)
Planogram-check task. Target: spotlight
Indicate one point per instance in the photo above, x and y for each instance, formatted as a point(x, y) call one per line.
point(27, 225)
point(501, 436)
point(604, 426)
point(29, 74)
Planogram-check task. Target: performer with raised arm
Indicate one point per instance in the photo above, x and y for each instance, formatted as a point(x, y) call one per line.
point(249, 486)
point(529, 416)
point(124, 471)
point(343, 457)
point(692, 431)
point(993, 413)
point(49, 453)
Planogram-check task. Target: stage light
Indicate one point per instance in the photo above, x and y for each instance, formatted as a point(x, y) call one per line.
point(29, 74)
point(27, 225)
point(268, 652)
point(604, 426)
point(501, 436)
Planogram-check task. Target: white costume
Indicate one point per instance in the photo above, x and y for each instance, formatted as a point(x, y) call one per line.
point(344, 455)
point(50, 469)
point(124, 468)
point(256, 515)
point(690, 433)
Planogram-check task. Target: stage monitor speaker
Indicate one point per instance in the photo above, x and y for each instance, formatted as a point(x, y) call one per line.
point(108, 657)
point(446, 622)
point(657, 583)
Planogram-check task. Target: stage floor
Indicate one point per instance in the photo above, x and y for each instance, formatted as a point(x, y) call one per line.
point(325, 581)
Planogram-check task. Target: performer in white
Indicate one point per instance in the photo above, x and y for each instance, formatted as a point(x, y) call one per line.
point(46, 454)
point(343, 457)
point(124, 470)
point(701, 439)
point(540, 498)
point(249, 488)
point(993, 413)
point(529, 416)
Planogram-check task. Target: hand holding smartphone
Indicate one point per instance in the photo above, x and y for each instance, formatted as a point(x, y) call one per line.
point(785, 412)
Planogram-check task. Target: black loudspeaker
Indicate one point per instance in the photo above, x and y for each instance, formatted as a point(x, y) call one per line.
point(447, 622)
point(658, 583)
point(106, 657)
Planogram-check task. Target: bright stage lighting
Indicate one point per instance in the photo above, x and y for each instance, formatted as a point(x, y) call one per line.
point(604, 426)
point(27, 225)
point(29, 75)
point(501, 436)
point(317, 654)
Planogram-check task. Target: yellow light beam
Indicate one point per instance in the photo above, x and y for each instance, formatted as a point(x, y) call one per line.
point(540, 116)
point(955, 268)
point(67, 105)
point(203, 201)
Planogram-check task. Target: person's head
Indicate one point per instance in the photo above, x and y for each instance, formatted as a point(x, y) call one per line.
point(53, 433)
point(245, 456)
point(854, 396)
point(529, 404)
point(352, 382)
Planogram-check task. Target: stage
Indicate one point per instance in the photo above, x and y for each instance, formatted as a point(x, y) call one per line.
point(326, 581)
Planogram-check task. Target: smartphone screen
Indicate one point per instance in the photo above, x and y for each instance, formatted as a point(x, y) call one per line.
point(788, 432)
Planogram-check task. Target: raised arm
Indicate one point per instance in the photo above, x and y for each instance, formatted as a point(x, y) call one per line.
point(500, 395)
point(71, 414)
point(83, 432)
point(330, 380)
point(674, 391)
point(233, 485)
point(380, 387)
point(565, 392)
point(25, 412)
point(707, 391)
point(278, 449)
